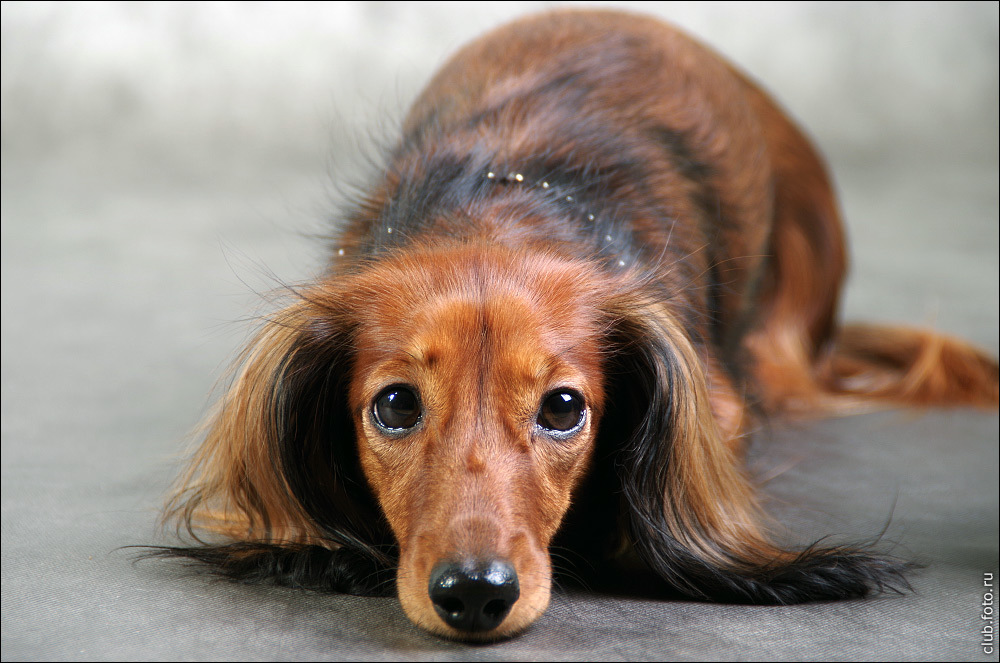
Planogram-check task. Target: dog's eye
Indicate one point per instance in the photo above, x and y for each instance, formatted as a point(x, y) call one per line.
point(397, 408)
point(561, 412)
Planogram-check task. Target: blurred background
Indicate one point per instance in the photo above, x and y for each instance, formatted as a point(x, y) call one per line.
point(191, 80)
point(165, 163)
point(253, 118)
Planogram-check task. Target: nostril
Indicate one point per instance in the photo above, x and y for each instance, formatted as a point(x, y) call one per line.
point(496, 609)
point(450, 605)
point(473, 595)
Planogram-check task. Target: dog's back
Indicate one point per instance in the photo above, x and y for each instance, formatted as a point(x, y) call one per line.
point(665, 160)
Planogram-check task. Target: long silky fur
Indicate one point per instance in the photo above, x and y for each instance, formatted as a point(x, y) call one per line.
point(278, 470)
point(696, 522)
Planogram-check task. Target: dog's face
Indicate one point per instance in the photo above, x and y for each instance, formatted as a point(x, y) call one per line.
point(476, 400)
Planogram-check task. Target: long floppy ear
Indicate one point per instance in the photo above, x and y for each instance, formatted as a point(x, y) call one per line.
point(277, 473)
point(691, 513)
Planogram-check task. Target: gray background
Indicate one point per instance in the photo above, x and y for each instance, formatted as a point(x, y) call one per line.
point(164, 164)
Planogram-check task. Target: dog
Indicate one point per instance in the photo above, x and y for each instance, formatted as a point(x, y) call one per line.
point(598, 257)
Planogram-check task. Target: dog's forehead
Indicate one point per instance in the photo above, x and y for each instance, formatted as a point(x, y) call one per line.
point(463, 327)
point(469, 294)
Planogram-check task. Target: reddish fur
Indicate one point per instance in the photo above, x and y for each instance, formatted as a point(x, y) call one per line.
point(487, 311)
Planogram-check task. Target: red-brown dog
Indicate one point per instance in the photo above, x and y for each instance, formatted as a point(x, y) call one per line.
point(596, 256)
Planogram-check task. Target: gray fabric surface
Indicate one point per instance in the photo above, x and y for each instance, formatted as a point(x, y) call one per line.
point(162, 164)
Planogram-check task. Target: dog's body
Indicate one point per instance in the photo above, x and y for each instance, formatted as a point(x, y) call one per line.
point(596, 258)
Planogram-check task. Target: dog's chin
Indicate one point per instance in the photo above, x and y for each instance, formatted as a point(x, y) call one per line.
point(524, 613)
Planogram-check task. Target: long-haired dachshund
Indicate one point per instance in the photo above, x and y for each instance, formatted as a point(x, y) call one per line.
point(597, 258)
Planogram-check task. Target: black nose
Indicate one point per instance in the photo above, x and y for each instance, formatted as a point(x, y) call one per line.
point(473, 595)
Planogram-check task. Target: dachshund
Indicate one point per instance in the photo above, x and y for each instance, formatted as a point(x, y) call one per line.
point(596, 260)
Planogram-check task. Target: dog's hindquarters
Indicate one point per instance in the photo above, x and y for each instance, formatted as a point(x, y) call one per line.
point(803, 362)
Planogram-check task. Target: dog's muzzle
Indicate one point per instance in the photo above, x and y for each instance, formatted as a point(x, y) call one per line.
point(473, 595)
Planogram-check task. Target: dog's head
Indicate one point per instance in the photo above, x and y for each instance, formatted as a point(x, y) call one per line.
point(453, 394)
point(476, 391)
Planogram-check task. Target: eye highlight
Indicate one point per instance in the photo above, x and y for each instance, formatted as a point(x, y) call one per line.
point(396, 409)
point(562, 412)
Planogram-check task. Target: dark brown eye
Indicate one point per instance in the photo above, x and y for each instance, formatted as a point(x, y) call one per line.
point(396, 408)
point(561, 412)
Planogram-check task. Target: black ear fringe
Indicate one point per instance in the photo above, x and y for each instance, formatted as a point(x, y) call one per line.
point(827, 575)
point(642, 376)
point(816, 574)
point(340, 571)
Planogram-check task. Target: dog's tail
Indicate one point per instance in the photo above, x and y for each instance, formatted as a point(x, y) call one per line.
point(905, 366)
point(866, 367)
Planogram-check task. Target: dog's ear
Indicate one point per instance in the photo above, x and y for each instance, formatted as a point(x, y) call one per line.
point(690, 512)
point(278, 470)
